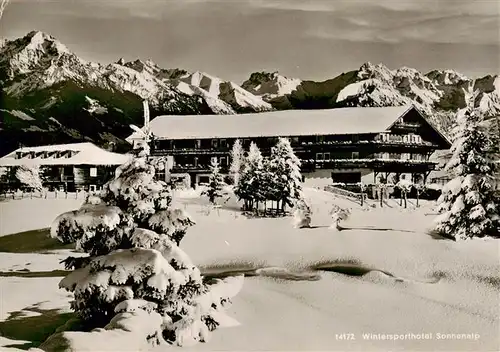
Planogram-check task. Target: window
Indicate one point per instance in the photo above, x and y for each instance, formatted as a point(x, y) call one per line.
point(223, 143)
point(355, 155)
point(405, 156)
point(223, 161)
point(160, 175)
point(197, 144)
point(319, 157)
point(215, 143)
point(327, 156)
point(295, 139)
point(195, 161)
point(213, 159)
point(93, 172)
point(320, 139)
point(355, 138)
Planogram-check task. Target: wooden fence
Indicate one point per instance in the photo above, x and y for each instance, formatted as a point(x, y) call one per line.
point(43, 195)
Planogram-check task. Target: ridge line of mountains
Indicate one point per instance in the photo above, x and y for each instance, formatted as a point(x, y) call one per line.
point(49, 95)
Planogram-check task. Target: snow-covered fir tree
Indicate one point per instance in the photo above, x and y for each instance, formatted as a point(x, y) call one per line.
point(29, 176)
point(131, 233)
point(302, 213)
point(215, 183)
point(467, 203)
point(285, 167)
point(250, 177)
point(237, 161)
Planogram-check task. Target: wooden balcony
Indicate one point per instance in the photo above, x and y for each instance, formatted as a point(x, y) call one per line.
point(394, 165)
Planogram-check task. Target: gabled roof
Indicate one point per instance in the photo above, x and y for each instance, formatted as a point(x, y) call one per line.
point(354, 120)
point(63, 154)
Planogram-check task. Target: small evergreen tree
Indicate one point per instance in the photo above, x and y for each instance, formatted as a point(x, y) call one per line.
point(237, 161)
point(215, 183)
point(419, 189)
point(404, 187)
point(248, 182)
point(132, 233)
point(287, 179)
point(381, 190)
point(467, 204)
point(362, 191)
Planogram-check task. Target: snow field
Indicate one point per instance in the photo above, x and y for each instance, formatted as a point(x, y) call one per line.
point(417, 284)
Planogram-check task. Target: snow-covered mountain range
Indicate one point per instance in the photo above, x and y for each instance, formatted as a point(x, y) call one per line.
point(49, 94)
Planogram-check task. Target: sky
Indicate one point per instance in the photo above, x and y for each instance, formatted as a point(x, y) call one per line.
point(308, 39)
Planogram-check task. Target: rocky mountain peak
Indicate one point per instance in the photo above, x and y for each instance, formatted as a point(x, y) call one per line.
point(447, 77)
point(378, 71)
point(270, 85)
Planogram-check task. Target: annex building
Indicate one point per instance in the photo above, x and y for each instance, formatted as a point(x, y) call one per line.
point(69, 167)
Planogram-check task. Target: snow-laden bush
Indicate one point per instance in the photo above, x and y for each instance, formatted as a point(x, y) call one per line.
point(132, 235)
point(338, 214)
point(467, 203)
point(302, 214)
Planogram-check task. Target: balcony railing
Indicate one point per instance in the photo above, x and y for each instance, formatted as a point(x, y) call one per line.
point(375, 163)
point(396, 142)
point(190, 151)
point(407, 125)
point(195, 168)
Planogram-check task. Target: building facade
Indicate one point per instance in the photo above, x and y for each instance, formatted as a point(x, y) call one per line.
point(68, 167)
point(348, 145)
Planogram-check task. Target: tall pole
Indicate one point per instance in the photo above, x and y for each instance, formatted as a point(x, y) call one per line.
point(3, 5)
point(146, 120)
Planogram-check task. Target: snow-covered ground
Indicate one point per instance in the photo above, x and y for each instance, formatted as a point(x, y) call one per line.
point(412, 282)
point(32, 214)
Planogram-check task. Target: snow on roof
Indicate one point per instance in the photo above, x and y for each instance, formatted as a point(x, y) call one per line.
point(353, 120)
point(63, 154)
